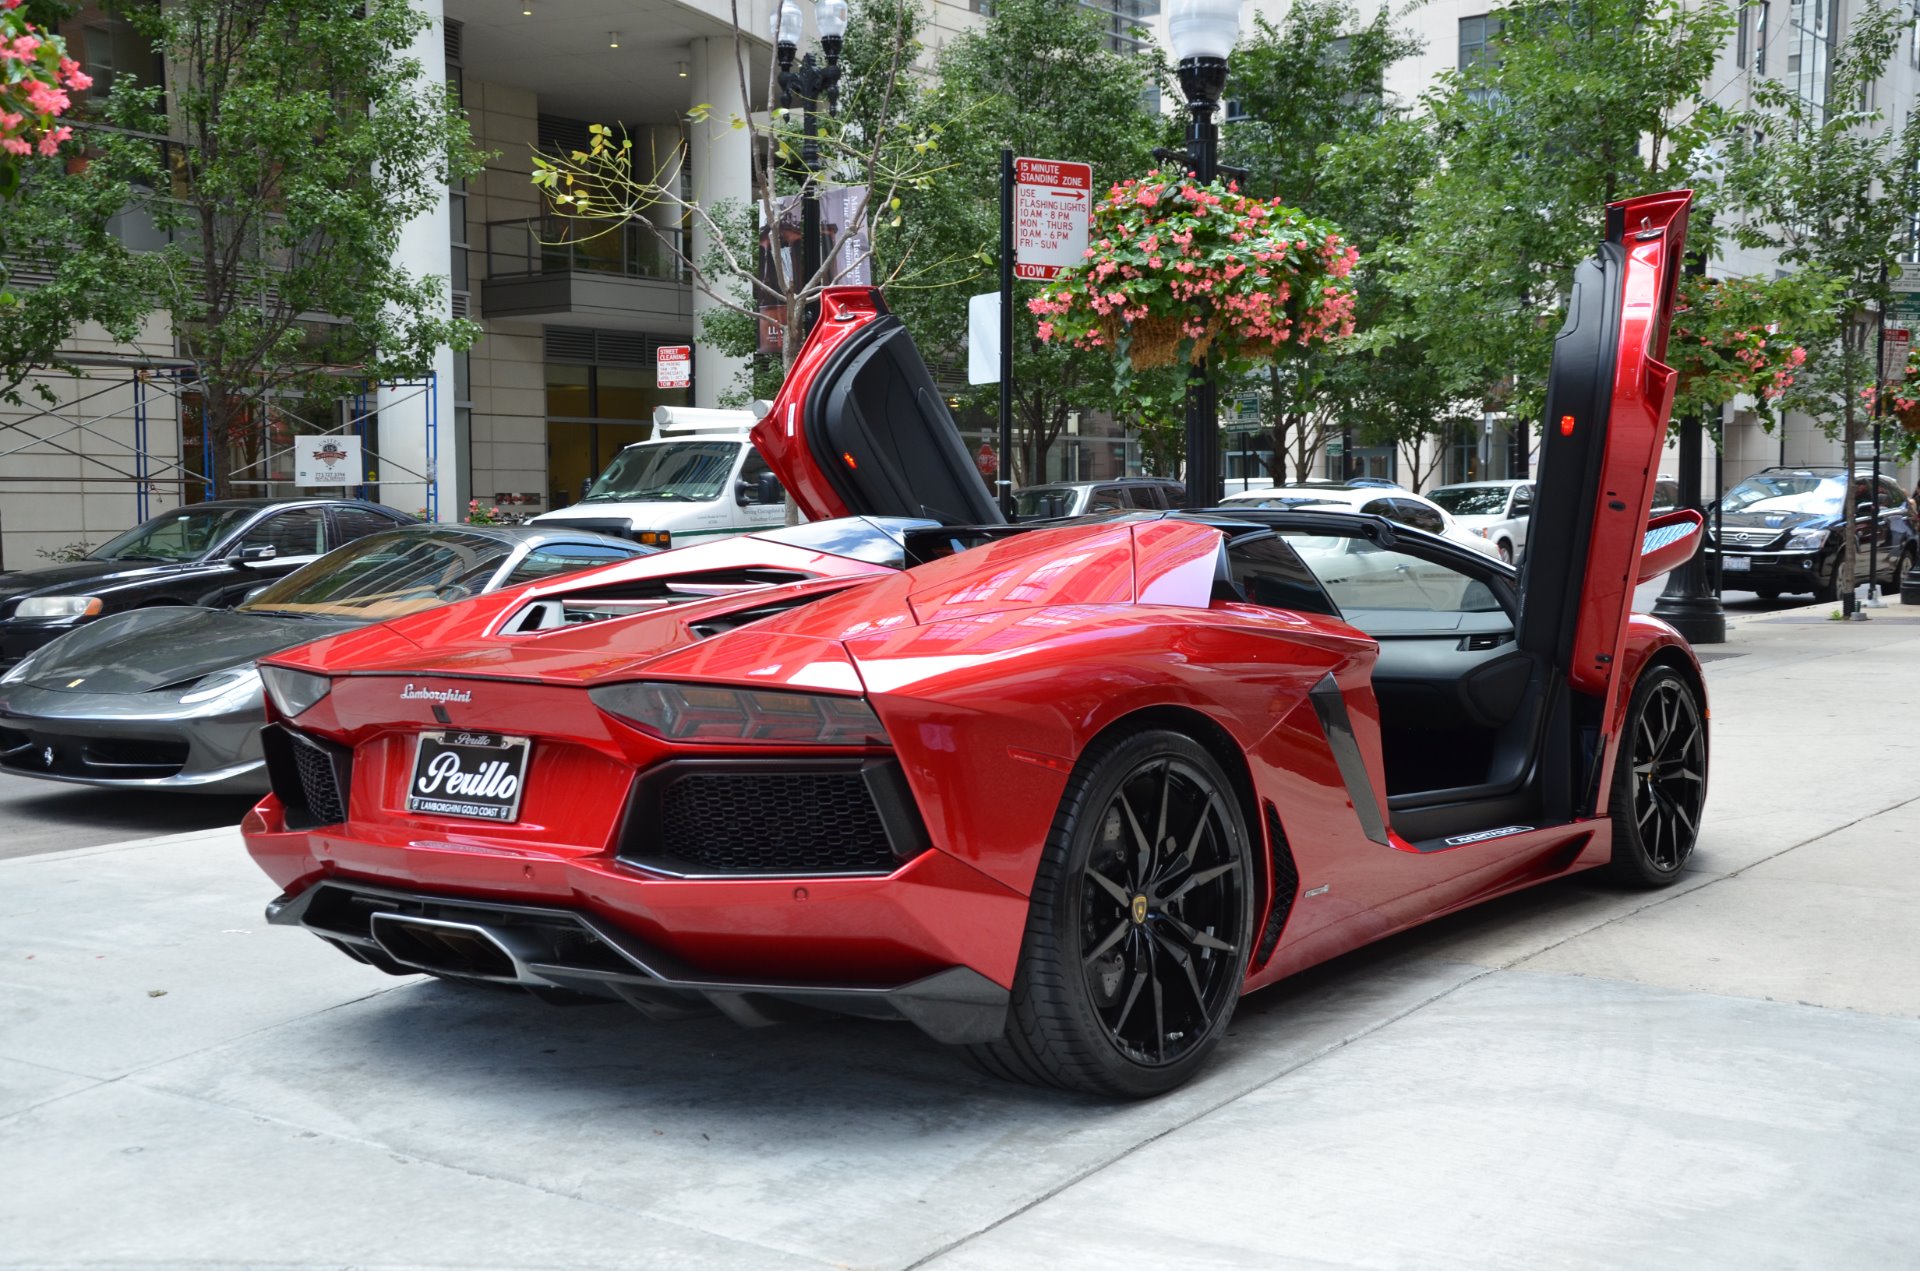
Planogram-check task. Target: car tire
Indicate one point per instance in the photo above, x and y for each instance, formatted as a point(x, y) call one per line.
point(1901, 564)
point(1137, 943)
point(1826, 586)
point(1506, 552)
point(1767, 593)
point(1659, 780)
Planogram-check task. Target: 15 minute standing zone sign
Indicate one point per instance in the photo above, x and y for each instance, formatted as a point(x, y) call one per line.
point(1052, 204)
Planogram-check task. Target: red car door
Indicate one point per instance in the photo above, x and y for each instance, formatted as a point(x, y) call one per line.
point(861, 429)
point(1609, 396)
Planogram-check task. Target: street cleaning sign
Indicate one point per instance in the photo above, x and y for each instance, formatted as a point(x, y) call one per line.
point(1052, 207)
point(1896, 341)
point(326, 462)
point(673, 365)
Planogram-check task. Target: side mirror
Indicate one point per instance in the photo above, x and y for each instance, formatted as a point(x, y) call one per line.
point(254, 555)
point(762, 490)
point(254, 591)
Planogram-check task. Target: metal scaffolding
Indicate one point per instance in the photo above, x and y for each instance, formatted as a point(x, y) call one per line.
point(166, 387)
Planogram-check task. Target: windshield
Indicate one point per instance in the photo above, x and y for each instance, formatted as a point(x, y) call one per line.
point(1043, 503)
point(670, 472)
point(1285, 501)
point(1785, 492)
point(182, 535)
point(1472, 500)
point(386, 575)
point(877, 540)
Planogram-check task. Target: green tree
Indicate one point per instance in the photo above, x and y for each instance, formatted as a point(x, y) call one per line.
point(58, 231)
point(1833, 187)
point(1575, 104)
point(1320, 132)
point(1039, 79)
point(307, 140)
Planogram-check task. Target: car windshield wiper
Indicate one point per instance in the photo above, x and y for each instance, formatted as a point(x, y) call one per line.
point(138, 556)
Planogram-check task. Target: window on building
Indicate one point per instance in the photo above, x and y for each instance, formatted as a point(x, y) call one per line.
point(1811, 25)
point(1760, 36)
point(1743, 35)
point(1477, 48)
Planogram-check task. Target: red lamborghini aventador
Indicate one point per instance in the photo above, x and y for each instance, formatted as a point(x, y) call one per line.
point(1059, 793)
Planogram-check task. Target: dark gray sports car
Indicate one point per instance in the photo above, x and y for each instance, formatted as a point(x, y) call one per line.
point(168, 698)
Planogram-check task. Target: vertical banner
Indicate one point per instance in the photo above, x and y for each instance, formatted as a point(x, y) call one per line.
point(846, 242)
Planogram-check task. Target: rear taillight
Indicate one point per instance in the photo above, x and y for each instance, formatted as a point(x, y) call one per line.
point(699, 713)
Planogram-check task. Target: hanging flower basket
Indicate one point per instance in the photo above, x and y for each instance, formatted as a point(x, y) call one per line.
point(1182, 272)
point(1722, 349)
point(1903, 406)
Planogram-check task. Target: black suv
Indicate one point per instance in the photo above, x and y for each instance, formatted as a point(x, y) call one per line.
point(201, 554)
point(1780, 531)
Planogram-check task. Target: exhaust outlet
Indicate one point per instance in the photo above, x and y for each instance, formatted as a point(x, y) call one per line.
point(448, 948)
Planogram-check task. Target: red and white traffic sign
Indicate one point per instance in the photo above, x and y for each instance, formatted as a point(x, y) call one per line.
point(1052, 206)
point(673, 365)
point(1893, 354)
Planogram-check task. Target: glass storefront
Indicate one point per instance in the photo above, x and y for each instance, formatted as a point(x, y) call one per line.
point(592, 412)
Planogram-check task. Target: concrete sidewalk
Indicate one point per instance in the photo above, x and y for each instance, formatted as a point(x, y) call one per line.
point(1718, 1075)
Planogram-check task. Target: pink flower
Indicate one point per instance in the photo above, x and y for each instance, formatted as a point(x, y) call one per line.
point(14, 145)
point(1046, 331)
point(45, 99)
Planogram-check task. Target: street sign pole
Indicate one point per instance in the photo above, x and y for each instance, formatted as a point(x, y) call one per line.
point(1006, 335)
point(1045, 210)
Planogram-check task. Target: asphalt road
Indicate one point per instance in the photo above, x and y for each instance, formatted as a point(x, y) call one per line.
point(1715, 1076)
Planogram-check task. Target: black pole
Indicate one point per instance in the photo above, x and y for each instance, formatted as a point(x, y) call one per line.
point(1879, 401)
point(809, 189)
point(1202, 79)
point(1006, 337)
point(1690, 604)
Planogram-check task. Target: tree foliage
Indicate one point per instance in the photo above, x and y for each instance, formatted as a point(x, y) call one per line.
point(1833, 188)
point(1037, 78)
point(1320, 131)
point(1576, 103)
point(306, 141)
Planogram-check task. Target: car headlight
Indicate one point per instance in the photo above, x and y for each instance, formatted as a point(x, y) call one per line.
point(235, 682)
point(293, 692)
point(58, 607)
point(1808, 540)
point(703, 713)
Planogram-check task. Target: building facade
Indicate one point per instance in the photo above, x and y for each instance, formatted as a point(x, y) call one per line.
point(564, 373)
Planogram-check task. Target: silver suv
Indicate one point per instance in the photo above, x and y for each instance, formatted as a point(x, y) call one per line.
point(1078, 498)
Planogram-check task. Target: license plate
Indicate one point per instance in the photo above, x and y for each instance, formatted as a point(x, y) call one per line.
point(1735, 564)
point(476, 775)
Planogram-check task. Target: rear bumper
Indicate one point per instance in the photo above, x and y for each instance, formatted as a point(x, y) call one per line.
point(543, 947)
point(855, 943)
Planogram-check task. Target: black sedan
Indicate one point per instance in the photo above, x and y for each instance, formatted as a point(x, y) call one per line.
point(1783, 530)
point(202, 554)
point(168, 698)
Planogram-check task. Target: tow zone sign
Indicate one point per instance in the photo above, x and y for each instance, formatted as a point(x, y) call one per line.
point(1052, 206)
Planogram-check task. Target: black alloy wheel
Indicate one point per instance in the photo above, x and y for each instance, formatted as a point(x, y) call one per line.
point(1902, 562)
point(1140, 927)
point(1659, 780)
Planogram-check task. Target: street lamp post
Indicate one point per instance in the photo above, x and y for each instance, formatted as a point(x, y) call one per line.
point(1203, 33)
point(809, 83)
